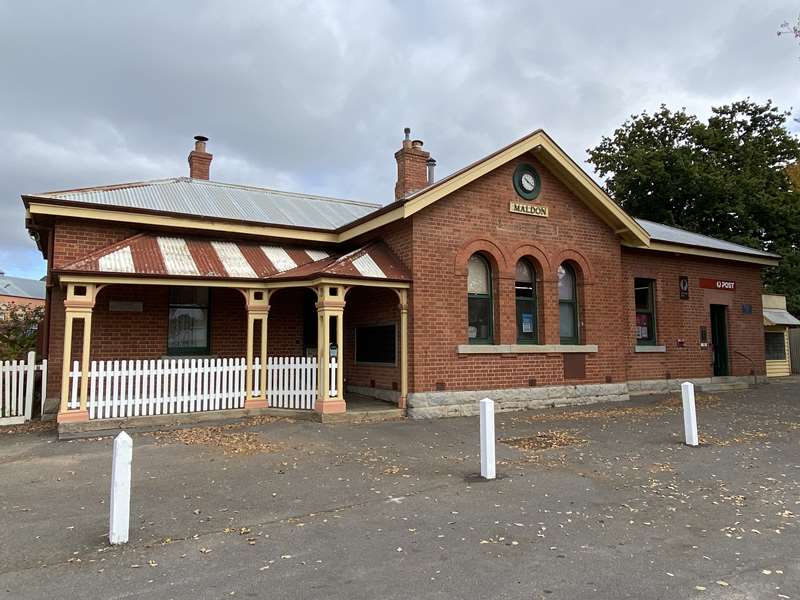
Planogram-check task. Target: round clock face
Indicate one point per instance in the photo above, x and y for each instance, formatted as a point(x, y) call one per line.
point(527, 182)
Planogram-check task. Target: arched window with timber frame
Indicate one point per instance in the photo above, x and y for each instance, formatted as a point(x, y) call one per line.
point(479, 301)
point(525, 293)
point(568, 304)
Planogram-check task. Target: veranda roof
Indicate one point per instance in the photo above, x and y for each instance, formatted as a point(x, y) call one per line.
point(170, 256)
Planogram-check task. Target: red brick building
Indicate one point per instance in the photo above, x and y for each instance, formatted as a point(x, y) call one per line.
point(516, 277)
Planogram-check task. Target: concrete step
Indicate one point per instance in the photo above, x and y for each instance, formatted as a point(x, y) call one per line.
point(723, 387)
point(366, 416)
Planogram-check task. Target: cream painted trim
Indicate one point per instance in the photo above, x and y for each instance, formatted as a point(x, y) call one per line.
point(256, 285)
point(691, 250)
point(102, 214)
point(379, 221)
point(537, 140)
point(526, 348)
point(649, 349)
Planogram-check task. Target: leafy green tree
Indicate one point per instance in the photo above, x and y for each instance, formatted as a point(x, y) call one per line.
point(728, 177)
point(18, 329)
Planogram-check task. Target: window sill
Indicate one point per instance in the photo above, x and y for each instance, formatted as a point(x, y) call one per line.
point(526, 348)
point(646, 349)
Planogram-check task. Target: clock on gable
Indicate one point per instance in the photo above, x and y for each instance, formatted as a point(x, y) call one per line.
point(527, 182)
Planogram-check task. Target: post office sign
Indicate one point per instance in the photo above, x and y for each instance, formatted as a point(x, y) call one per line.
point(718, 284)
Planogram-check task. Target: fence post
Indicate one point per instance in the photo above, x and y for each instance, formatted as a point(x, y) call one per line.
point(487, 439)
point(30, 379)
point(119, 519)
point(689, 414)
point(43, 393)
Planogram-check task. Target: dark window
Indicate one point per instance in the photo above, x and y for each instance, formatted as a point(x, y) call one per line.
point(376, 344)
point(479, 300)
point(525, 291)
point(774, 345)
point(568, 304)
point(188, 321)
point(644, 294)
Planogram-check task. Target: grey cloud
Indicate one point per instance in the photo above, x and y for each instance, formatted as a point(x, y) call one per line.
point(313, 96)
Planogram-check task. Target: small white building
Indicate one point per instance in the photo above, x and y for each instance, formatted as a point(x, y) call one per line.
point(777, 322)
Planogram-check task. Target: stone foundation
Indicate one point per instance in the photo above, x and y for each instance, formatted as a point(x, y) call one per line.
point(428, 405)
point(702, 384)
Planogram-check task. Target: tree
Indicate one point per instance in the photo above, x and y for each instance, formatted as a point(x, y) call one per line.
point(728, 177)
point(790, 29)
point(18, 329)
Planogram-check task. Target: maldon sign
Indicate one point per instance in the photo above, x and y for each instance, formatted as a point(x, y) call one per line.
point(718, 284)
point(535, 210)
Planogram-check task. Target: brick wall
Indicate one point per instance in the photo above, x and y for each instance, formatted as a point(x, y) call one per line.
point(678, 319)
point(476, 218)
point(74, 239)
point(370, 306)
point(285, 332)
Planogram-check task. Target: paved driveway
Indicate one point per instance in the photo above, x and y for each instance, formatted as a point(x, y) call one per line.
point(592, 502)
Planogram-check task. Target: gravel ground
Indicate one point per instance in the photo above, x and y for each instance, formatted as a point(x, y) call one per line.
point(598, 501)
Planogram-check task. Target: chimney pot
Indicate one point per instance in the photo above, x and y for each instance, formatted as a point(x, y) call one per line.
point(416, 144)
point(431, 164)
point(199, 159)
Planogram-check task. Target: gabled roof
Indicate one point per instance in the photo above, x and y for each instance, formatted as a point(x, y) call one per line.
point(549, 153)
point(211, 199)
point(189, 257)
point(21, 287)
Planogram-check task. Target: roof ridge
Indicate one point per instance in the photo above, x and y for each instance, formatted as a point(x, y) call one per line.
point(170, 180)
point(101, 188)
point(286, 192)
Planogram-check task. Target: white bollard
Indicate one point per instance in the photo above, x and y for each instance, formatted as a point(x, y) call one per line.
point(487, 439)
point(119, 520)
point(689, 414)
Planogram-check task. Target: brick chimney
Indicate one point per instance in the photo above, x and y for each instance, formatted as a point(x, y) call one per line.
point(199, 159)
point(412, 167)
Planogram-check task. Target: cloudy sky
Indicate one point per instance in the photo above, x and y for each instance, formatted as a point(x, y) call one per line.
point(313, 96)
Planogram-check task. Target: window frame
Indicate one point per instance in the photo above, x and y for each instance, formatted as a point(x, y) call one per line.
point(573, 303)
point(534, 304)
point(783, 345)
point(195, 350)
point(650, 310)
point(392, 324)
point(489, 339)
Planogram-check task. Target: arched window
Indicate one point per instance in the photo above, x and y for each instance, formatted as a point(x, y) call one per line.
point(525, 292)
point(479, 300)
point(568, 304)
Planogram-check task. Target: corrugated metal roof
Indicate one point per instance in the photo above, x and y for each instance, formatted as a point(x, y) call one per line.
point(151, 254)
point(197, 197)
point(674, 235)
point(21, 287)
point(778, 316)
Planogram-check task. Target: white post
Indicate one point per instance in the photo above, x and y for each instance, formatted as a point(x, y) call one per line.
point(30, 377)
point(689, 414)
point(119, 521)
point(487, 439)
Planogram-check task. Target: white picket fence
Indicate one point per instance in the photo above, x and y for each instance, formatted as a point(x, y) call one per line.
point(17, 385)
point(132, 388)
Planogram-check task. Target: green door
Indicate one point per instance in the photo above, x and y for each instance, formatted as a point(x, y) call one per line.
point(719, 339)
